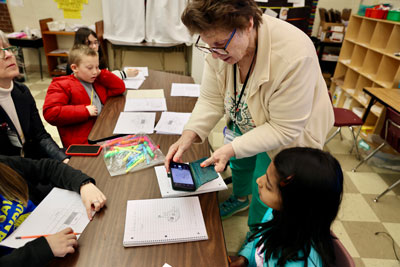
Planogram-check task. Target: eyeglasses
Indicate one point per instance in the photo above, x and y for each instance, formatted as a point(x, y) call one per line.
point(11, 49)
point(216, 50)
point(89, 43)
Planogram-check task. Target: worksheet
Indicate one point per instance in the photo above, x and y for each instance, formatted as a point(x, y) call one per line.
point(145, 104)
point(133, 83)
point(185, 89)
point(135, 122)
point(60, 209)
point(172, 122)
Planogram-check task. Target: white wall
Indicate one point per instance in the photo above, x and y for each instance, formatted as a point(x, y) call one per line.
point(35, 10)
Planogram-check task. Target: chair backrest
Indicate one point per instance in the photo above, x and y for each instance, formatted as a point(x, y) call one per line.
point(343, 258)
point(391, 130)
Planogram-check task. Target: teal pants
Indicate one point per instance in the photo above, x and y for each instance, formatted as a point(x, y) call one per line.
point(245, 172)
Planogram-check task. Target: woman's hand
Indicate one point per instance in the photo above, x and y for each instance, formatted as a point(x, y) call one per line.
point(66, 160)
point(176, 150)
point(239, 262)
point(220, 157)
point(92, 110)
point(92, 198)
point(62, 242)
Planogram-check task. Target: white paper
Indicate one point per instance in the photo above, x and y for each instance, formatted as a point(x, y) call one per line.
point(185, 89)
point(143, 70)
point(132, 83)
point(162, 221)
point(135, 122)
point(270, 12)
point(146, 93)
point(145, 104)
point(166, 265)
point(60, 209)
point(172, 122)
point(164, 182)
point(300, 3)
point(294, 1)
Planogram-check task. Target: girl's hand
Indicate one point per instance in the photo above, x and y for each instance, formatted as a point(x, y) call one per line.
point(220, 157)
point(176, 150)
point(239, 262)
point(92, 110)
point(62, 243)
point(132, 72)
point(92, 198)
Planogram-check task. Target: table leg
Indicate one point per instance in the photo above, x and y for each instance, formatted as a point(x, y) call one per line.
point(371, 102)
point(40, 63)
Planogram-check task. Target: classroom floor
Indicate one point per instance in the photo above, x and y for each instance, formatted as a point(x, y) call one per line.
point(359, 217)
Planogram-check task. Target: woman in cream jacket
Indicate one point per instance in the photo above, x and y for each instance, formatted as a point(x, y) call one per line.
point(284, 102)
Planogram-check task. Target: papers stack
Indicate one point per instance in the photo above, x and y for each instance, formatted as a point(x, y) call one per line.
point(172, 122)
point(135, 122)
point(185, 89)
point(145, 100)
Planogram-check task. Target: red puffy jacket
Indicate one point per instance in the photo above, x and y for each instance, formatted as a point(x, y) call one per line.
point(66, 101)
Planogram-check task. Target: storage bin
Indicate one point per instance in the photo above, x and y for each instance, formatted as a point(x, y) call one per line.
point(376, 13)
point(393, 15)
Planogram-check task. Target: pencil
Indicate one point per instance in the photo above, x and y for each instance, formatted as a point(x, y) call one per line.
point(36, 236)
point(91, 97)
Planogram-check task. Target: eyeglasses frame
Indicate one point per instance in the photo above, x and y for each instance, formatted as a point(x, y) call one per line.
point(215, 49)
point(12, 49)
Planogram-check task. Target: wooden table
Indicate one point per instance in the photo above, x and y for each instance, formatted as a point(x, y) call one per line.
point(387, 97)
point(101, 242)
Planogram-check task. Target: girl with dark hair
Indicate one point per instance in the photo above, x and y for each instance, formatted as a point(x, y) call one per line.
point(88, 37)
point(17, 177)
point(303, 188)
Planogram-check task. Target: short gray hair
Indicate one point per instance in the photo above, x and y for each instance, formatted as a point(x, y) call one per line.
point(3, 38)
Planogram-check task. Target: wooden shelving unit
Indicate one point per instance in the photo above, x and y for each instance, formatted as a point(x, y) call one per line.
point(50, 44)
point(367, 60)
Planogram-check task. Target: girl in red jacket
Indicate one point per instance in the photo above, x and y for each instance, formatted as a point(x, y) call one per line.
point(73, 102)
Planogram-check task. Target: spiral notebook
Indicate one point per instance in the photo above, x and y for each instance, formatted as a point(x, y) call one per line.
point(162, 221)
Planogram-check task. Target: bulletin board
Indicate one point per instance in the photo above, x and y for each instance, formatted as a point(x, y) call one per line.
point(301, 16)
